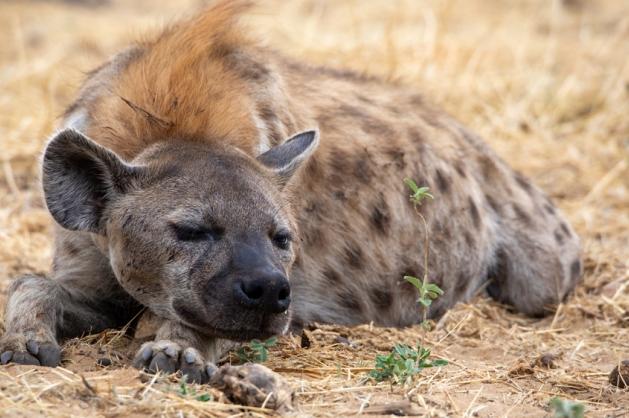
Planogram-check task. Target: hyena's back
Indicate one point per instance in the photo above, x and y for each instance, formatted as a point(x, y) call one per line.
point(362, 235)
point(359, 233)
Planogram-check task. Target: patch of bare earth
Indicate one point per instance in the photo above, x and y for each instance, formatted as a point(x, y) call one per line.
point(545, 82)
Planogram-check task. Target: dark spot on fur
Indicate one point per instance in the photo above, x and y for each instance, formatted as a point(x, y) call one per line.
point(339, 161)
point(352, 111)
point(266, 113)
point(339, 195)
point(331, 276)
point(350, 301)
point(522, 215)
point(397, 156)
point(416, 136)
point(343, 74)
point(488, 168)
point(474, 213)
point(313, 168)
point(443, 182)
point(549, 208)
point(71, 249)
point(354, 256)
point(416, 100)
point(380, 217)
point(498, 275)
point(396, 110)
point(524, 183)
point(458, 166)
point(363, 169)
point(558, 236)
point(493, 204)
point(376, 127)
point(575, 269)
point(565, 229)
point(444, 230)
point(382, 299)
point(364, 99)
point(314, 237)
point(246, 66)
point(469, 239)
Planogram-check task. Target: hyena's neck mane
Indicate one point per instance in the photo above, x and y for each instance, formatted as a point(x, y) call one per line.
point(199, 79)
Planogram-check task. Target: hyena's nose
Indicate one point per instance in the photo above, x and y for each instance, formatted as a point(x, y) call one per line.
point(268, 292)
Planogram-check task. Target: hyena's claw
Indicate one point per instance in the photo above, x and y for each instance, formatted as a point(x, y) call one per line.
point(32, 352)
point(191, 365)
point(210, 370)
point(168, 357)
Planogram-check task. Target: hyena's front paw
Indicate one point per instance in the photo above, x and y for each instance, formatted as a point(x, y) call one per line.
point(29, 348)
point(169, 357)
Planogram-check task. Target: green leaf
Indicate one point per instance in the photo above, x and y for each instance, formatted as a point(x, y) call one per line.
point(566, 409)
point(183, 388)
point(425, 302)
point(206, 397)
point(402, 363)
point(431, 287)
point(414, 281)
point(411, 184)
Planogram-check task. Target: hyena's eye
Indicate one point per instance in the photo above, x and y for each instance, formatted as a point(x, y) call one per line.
point(187, 232)
point(282, 239)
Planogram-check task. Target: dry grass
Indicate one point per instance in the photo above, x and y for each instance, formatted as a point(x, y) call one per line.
point(545, 82)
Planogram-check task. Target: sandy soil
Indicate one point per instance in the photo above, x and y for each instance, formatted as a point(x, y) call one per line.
point(545, 82)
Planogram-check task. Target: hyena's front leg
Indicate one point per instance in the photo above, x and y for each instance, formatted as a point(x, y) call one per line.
point(180, 348)
point(40, 312)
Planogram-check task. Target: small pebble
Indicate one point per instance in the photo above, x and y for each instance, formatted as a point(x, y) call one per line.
point(103, 361)
point(345, 341)
point(620, 375)
point(546, 361)
point(305, 339)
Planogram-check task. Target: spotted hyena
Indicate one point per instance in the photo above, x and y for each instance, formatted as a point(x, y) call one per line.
point(216, 182)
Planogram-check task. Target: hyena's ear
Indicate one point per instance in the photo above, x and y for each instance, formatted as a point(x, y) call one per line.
point(286, 158)
point(80, 179)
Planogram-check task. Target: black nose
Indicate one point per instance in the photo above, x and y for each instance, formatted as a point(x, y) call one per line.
point(268, 292)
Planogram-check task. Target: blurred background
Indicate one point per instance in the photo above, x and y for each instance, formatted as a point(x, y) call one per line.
point(545, 82)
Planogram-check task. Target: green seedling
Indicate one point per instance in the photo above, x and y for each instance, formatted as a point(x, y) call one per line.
point(185, 390)
point(563, 408)
point(427, 291)
point(403, 363)
point(419, 193)
point(256, 351)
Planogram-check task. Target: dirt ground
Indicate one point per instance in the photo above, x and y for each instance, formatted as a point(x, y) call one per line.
point(545, 82)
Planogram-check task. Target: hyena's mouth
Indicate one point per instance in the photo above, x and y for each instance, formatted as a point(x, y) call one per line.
point(259, 326)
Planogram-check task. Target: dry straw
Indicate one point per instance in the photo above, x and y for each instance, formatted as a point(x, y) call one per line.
point(545, 82)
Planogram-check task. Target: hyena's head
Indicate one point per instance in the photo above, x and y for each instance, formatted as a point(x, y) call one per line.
point(197, 233)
